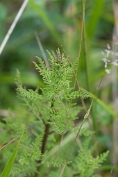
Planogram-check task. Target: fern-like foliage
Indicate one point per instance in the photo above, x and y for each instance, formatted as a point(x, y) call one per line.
point(57, 95)
point(50, 114)
point(85, 161)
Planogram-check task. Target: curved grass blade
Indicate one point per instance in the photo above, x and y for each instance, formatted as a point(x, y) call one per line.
point(10, 162)
point(101, 103)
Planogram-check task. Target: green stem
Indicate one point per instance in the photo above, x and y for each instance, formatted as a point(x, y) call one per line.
point(85, 48)
point(87, 63)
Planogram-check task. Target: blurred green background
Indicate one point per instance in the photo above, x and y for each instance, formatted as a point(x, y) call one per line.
point(58, 24)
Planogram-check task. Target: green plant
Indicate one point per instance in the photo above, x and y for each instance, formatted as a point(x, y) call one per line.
point(49, 146)
point(10, 162)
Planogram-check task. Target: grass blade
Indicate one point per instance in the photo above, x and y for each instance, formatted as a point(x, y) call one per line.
point(10, 162)
point(46, 20)
point(96, 12)
point(102, 104)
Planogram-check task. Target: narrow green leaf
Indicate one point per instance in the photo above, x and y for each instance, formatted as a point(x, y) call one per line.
point(100, 102)
point(10, 162)
point(46, 20)
point(95, 14)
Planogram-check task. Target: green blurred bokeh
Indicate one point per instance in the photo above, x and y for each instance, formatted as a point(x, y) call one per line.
point(58, 23)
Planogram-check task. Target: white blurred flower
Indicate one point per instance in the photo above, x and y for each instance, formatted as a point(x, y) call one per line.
point(108, 71)
point(108, 54)
point(115, 62)
point(105, 61)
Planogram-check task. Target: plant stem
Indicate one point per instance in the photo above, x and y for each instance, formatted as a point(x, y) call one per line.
point(13, 25)
point(87, 64)
point(46, 133)
point(44, 141)
point(85, 48)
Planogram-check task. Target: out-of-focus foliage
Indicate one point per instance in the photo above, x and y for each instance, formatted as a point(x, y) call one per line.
point(58, 23)
point(55, 111)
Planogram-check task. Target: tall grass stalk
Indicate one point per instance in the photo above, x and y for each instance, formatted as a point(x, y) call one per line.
point(13, 25)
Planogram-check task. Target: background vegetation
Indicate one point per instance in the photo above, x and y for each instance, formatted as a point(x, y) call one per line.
point(58, 23)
